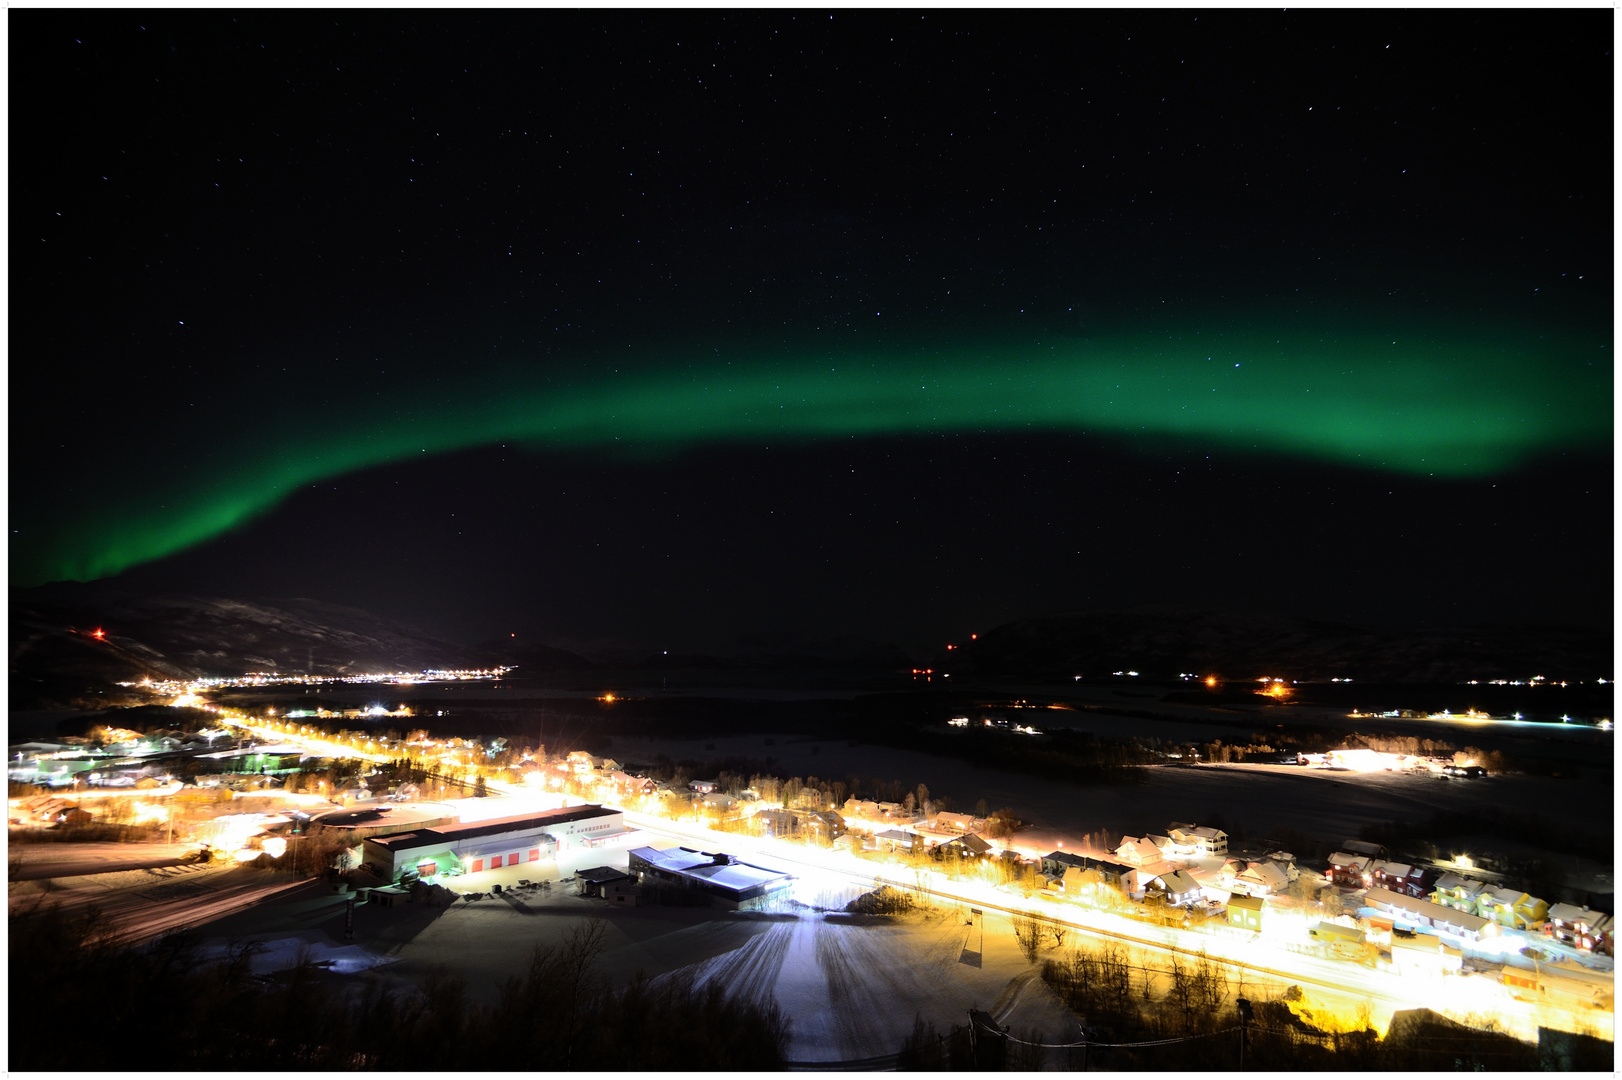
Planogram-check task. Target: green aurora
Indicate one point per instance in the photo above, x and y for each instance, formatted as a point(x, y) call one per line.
point(1418, 402)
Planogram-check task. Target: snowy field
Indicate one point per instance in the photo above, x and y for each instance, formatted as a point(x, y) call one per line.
point(851, 985)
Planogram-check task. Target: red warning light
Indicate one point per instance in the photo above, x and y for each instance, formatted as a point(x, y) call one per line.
point(99, 634)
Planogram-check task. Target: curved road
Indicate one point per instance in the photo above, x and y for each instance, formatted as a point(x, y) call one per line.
point(30, 862)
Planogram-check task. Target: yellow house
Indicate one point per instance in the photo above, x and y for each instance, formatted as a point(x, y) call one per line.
point(1513, 908)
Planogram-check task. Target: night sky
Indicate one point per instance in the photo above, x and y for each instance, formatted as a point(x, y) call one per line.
point(673, 327)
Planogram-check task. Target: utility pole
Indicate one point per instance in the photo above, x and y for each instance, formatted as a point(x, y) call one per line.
point(1245, 1016)
point(988, 1041)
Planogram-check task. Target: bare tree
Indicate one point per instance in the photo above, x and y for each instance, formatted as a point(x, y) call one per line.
point(1028, 932)
point(1183, 996)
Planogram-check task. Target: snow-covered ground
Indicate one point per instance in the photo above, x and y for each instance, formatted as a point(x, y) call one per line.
point(1255, 798)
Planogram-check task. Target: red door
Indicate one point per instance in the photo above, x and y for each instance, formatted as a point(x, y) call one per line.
point(478, 864)
point(534, 854)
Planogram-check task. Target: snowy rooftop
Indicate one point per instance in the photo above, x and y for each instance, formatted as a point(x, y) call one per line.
point(733, 875)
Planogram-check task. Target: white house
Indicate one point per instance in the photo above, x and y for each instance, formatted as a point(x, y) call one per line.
point(1137, 851)
point(1139, 878)
point(1181, 888)
point(947, 821)
point(1262, 879)
point(1198, 840)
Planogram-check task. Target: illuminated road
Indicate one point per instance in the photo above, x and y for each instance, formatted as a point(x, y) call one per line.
point(323, 747)
point(142, 905)
point(1267, 956)
point(29, 862)
point(1260, 958)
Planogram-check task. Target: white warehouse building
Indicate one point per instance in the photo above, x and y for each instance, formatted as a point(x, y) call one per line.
point(486, 845)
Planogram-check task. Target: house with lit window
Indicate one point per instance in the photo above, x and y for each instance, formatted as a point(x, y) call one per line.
point(1260, 879)
point(1138, 852)
point(1398, 877)
point(1055, 863)
point(1461, 893)
point(1580, 928)
point(1140, 879)
point(1285, 861)
point(1245, 912)
point(1197, 840)
point(967, 846)
point(626, 784)
point(1513, 908)
point(1181, 835)
point(823, 826)
point(897, 840)
point(1113, 871)
point(1167, 847)
point(778, 823)
point(947, 821)
point(1349, 871)
point(1178, 888)
point(718, 802)
point(861, 809)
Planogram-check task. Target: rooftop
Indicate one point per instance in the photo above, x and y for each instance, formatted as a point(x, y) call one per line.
point(446, 834)
point(700, 864)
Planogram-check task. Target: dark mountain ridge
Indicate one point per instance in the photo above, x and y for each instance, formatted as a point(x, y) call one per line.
point(1163, 642)
point(56, 659)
